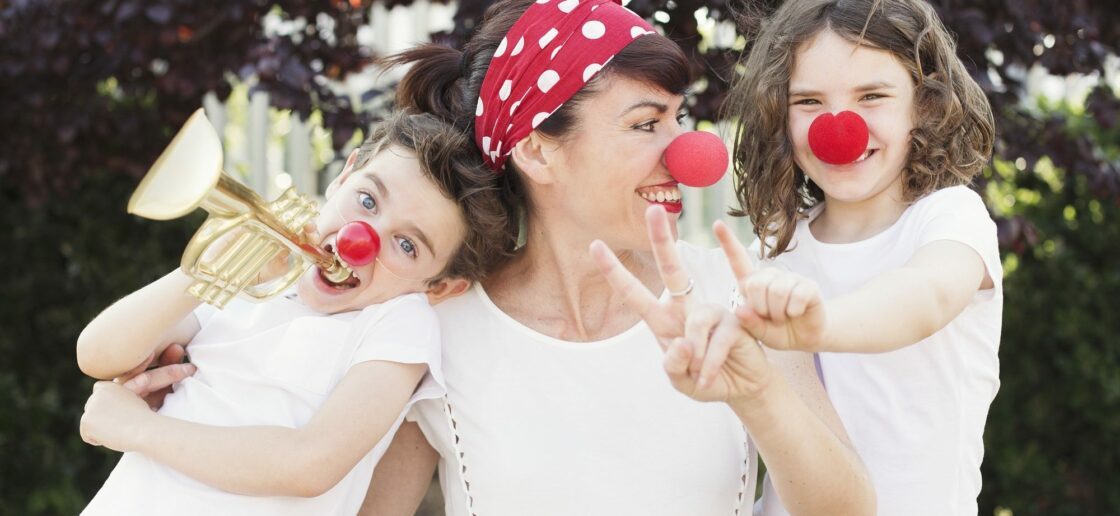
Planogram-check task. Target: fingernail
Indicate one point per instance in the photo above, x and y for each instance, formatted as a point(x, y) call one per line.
point(189, 368)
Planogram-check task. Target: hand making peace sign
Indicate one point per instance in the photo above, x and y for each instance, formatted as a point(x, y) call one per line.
point(708, 354)
point(781, 309)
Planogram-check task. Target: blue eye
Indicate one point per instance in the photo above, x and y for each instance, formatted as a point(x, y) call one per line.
point(367, 201)
point(408, 247)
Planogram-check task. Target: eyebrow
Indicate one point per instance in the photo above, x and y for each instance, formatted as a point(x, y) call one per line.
point(877, 85)
point(384, 193)
point(660, 107)
point(378, 184)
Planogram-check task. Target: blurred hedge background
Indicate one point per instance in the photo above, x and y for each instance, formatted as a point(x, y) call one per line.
point(90, 92)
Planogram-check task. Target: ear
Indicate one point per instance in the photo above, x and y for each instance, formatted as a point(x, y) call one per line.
point(534, 155)
point(347, 170)
point(447, 288)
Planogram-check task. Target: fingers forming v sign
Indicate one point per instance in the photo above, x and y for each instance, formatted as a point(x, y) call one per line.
point(707, 355)
point(782, 309)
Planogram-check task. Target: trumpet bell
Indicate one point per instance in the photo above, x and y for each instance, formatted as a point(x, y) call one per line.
point(245, 231)
point(183, 175)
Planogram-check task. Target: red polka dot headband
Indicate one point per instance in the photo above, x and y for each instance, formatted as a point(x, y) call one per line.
point(545, 58)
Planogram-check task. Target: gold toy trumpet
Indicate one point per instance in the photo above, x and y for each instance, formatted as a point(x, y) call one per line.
point(189, 175)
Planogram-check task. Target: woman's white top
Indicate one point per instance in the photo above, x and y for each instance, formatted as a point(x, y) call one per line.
point(915, 415)
point(274, 363)
point(536, 425)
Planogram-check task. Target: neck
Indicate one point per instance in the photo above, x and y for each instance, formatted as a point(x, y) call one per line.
point(554, 287)
point(844, 222)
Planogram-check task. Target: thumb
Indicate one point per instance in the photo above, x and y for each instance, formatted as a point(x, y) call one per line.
point(678, 355)
point(751, 321)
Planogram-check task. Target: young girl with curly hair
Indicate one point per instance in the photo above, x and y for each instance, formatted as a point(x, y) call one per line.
point(859, 132)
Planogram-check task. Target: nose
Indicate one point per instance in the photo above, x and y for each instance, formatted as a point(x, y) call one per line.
point(358, 243)
point(696, 158)
point(839, 139)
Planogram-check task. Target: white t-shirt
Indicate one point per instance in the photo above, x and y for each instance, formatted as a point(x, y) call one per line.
point(536, 425)
point(915, 415)
point(275, 363)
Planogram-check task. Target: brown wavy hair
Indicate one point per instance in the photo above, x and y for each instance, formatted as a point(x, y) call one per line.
point(950, 143)
point(447, 156)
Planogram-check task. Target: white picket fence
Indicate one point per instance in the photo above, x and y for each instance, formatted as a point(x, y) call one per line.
point(270, 150)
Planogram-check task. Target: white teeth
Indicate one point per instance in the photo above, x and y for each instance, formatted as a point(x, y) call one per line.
point(671, 195)
point(866, 154)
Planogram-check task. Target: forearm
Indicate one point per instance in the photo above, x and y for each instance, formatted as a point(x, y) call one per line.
point(813, 470)
point(125, 334)
point(896, 309)
point(248, 460)
point(279, 461)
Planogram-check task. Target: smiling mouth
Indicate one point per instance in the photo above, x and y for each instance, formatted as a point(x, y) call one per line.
point(667, 195)
point(866, 154)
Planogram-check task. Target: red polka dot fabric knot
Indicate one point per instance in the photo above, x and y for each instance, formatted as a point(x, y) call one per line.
point(545, 58)
point(840, 139)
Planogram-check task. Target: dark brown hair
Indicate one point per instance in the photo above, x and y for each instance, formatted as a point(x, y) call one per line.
point(950, 143)
point(448, 157)
point(446, 82)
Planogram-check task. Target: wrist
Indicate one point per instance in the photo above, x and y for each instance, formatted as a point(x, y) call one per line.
point(828, 340)
point(142, 435)
point(759, 399)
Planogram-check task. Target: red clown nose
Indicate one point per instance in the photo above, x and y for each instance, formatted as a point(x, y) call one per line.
point(840, 139)
point(696, 158)
point(358, 243)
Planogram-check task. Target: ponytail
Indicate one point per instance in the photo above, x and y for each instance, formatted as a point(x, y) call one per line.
point(431, 84)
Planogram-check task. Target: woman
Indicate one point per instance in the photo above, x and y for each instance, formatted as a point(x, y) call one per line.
point(557, 401)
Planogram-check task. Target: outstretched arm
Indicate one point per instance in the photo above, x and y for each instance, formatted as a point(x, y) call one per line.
point(908, 304)
point(785, 310)
point(138, 326)
point(261, 460)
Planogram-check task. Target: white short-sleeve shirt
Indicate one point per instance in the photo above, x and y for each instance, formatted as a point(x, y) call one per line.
point(275, 363)
point(915, 415)
point(537, 425)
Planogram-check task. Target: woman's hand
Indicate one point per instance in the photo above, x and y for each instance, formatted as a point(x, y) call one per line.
point(708, 354)
point(781, 309)
point(155, 384)
point(113, 415)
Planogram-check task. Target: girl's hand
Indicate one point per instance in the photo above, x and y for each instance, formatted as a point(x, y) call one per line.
point(783, 310)
point(708, 355)
point(112, 416)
